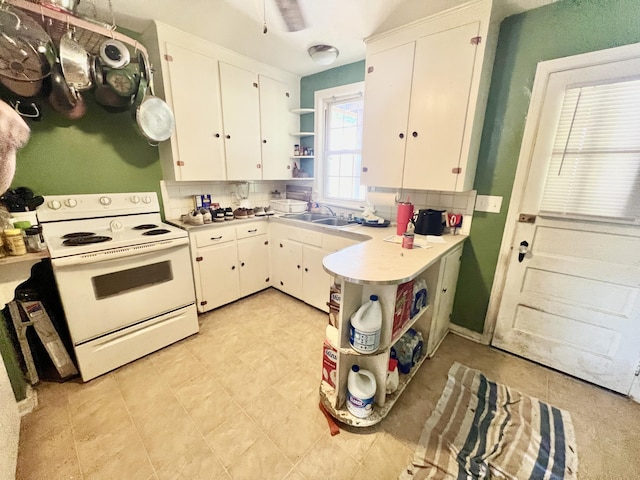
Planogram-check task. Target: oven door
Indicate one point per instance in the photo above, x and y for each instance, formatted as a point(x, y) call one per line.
point(103, 292)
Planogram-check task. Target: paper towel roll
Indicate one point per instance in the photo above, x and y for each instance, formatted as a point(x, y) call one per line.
point(382, 199)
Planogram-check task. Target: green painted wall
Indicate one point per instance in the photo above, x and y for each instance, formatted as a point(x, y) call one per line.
point(10, 359)
point(562, 29)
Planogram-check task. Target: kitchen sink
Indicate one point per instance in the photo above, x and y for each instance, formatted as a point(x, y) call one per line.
point(309, 217)
point(333, 221)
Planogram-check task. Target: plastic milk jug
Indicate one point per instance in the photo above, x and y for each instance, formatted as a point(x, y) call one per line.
point(366, 323)
point(361, 388)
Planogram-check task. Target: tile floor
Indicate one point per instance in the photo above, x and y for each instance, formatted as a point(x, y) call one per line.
point(240, 401)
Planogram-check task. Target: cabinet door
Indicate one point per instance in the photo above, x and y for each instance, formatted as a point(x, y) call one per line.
point(286, 263)
point(315, 281)
point(449, 269)
point(386, 109)
point(195, 101)
point(442, 76)
point(253, 261)
point(216, 270)
point(241, 116)
point(275, 102)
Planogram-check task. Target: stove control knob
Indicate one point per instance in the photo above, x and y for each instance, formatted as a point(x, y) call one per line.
point(70, 202)
point(55, 205)
point(146, 199)
point(105, 201)
point(116, 226)
point(135, 199)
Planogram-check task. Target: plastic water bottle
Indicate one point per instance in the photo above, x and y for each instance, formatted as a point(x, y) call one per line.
point(361, 389)
point(366, 323)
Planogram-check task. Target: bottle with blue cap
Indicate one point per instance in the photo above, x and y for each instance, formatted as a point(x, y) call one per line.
point(366, 324)
point(361, 390)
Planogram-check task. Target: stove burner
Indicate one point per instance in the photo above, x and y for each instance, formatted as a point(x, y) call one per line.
point(145, 226)
point(76, 241)
point(78, 234)
point(159, 231)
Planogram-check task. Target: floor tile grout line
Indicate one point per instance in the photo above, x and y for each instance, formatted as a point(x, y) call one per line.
point(73, 435)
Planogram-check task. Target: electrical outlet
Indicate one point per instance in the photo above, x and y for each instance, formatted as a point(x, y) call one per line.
point(488, 203)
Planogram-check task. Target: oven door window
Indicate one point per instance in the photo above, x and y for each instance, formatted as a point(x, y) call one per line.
point(122, 281)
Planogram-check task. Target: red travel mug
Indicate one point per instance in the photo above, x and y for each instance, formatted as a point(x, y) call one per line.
point(405, 213)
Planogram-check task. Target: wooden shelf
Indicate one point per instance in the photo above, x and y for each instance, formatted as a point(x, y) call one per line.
point(405, 328)
point(29, 257)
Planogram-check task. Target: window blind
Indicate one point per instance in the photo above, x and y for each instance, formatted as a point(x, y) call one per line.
point(594, 170)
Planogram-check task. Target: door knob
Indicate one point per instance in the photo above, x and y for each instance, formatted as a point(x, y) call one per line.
point(522, 251)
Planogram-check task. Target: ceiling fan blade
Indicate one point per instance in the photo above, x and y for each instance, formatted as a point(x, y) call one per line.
point(291, 14)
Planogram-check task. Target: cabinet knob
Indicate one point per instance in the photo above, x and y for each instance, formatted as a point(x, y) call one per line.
point(414, 134)
point(264, 141)
point(298, 267)
point(281, 246)
point(217, 135)
point(266, 279)
point(228, 137)
point(401, 135)
point(444, 290)
point(258, 165)
point(288, 167)
point(242, 264)
point(233, 267)
point(281, 283)
point(365, 169)
point(306, 269)
point(266, 242)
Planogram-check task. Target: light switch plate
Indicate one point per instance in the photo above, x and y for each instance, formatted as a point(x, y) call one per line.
point(488, 203)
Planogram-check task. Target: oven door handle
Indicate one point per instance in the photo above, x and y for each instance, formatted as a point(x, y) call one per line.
point(116, 253)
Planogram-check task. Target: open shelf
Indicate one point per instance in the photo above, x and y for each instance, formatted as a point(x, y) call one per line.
point(301, 156)
point(302, 111)
point(302, 134)
point(405, 328)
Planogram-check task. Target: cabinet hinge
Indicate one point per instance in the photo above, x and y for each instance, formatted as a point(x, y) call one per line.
point(456, 170)
point(637, 373)
point(370, 69)
point(255, 85)
point(199, 259)
point(168, 57)
point(203, 303)
point(180, 163)
point(476, 40)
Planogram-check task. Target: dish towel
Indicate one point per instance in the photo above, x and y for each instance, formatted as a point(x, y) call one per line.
point(14, 134)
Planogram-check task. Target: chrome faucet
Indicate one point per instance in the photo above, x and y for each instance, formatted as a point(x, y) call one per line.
point(328, 208)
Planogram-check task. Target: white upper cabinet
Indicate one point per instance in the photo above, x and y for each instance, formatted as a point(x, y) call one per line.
point(426, 86)
point(241, 117)
point(197, 145)
point(232, 112)
point(385, 115)
point(276, 120)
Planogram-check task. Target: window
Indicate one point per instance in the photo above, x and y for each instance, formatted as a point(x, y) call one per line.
point(595, 163)
point(340, 143)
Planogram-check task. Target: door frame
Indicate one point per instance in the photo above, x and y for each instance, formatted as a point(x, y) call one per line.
point(541, 81)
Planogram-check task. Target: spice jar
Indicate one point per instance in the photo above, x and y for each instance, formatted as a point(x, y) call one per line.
point(33, 239)
point(15, 242)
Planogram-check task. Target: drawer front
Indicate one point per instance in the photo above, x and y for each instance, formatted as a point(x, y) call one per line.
point(214, 236)
point(310, 237)
point(251, 229)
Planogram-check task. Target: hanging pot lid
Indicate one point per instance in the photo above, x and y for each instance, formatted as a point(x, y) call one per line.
point(114, 54)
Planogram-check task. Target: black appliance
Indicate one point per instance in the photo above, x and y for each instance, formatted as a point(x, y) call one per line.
point(429, 222)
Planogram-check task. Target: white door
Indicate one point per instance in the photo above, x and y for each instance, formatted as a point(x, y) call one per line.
point(275, 124)
point(253, 260)
point(241, 116)
point(386, 109)
point(442, 74)
point(571, 293)
point(195, 100)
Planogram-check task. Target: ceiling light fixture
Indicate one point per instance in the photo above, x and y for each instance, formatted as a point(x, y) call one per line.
point(323, 54)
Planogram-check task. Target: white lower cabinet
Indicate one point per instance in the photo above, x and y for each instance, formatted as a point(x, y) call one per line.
point(229, 263)
point(296, 262)
point(431, 321)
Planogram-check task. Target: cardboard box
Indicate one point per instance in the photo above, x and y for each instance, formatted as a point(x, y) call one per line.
point(404, 300)
point(329, 363)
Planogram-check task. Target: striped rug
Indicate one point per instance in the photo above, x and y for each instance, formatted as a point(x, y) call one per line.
point(482, 429)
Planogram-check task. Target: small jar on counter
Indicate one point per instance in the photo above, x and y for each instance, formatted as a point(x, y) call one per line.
point(33, 239)
point(407, 240)
point(14, 242)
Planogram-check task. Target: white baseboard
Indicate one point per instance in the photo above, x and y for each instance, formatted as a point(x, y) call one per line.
point(468, 334)
point(29, 403)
